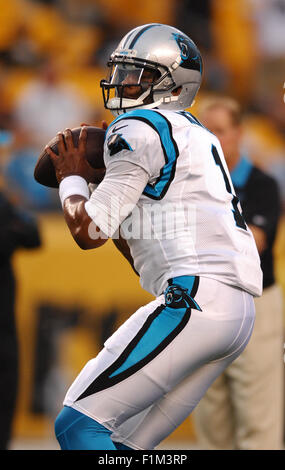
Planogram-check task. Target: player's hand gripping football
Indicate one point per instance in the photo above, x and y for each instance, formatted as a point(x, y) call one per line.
point(70, 159)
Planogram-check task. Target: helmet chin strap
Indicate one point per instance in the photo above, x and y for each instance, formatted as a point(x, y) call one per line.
point(128, 104)
point(170, 99)
point(131, 106)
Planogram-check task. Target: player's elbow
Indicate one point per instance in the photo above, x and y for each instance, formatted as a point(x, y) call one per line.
point(83, 230)
point(81, 243)
point(86, 243)
point(90, 246)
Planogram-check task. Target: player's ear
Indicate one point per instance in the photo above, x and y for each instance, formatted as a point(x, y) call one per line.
point(177, 91)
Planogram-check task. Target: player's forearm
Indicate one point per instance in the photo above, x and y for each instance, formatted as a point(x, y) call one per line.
point(107, 207)
point(116, 197)
point(80, 224)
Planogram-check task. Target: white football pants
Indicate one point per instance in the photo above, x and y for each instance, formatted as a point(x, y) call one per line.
point(157, 366)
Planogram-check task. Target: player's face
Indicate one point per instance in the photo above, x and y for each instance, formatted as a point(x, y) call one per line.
point(219, 121)
point(133, 91)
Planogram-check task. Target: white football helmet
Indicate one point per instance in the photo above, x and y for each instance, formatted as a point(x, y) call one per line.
point(167, 55)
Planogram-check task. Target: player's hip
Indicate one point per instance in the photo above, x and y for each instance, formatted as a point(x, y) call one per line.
point(195, 321)
point(215, 318)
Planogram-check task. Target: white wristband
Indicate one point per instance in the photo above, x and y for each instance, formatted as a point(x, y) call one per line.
point(71, 186)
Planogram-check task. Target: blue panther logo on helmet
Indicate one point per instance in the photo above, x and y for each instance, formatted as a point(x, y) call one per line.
point(190, 58)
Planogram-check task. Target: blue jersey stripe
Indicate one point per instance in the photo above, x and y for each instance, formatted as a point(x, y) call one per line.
point(164, 130)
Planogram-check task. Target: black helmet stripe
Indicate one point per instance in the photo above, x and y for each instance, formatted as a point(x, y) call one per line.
point(127, 38)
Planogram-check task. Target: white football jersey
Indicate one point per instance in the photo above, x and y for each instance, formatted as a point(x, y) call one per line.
point(188, 220)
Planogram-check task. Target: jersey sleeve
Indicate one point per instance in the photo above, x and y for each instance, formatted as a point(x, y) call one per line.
point(115, 198)
point(136, 142)
point(135, 154)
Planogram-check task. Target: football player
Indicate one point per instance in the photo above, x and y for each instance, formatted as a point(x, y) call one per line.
point(167, 192)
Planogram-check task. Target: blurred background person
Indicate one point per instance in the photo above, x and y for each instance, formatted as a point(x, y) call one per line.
point(17, 230)
point(48, 104)
point(45, 104)
point(243, 409)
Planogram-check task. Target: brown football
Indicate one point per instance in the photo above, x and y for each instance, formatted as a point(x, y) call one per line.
point(44, 172)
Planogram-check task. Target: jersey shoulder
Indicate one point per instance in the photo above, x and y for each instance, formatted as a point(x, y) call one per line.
point(150, 121)
point(133, 137)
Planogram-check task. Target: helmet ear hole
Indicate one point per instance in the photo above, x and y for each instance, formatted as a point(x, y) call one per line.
point(177, 91)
